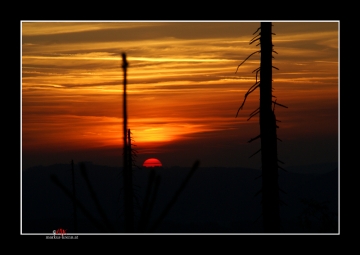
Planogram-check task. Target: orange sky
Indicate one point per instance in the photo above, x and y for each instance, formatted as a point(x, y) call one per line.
point(182, 91)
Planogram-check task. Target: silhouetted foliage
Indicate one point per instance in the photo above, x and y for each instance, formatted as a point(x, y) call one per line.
point(317, 218)
point(104, 226)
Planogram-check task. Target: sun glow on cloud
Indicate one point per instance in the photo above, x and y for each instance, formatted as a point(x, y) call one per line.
point(181, 82)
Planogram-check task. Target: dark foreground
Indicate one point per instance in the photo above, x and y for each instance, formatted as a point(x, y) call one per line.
point(216, 200)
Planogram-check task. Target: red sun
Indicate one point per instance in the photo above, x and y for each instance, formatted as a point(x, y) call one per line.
point(152, 162)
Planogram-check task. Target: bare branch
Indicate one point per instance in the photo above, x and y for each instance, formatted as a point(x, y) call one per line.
point(257, 30)
point(247, 59)
point(274, 105)
point(282, 168)
point(282, 191)
point(252, 115)
point(255, 153)
point(252, 88)
point(279, 104)
point(283, 203)
point(257, 193)
point(253, 139)
point(78, 204)
point(255, 36)
point(257, 69)
point(254, 41)
point(257, 218)
point(275, 67)
point(175, 197)
point(255, 111)
point(257, 75)
point(93, 195)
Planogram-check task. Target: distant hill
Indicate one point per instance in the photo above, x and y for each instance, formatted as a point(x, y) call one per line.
point(313, 168)
point(216, 200)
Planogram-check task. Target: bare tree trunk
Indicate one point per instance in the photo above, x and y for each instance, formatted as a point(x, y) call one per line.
point(270, 186)
point(130, 192)
point(128, 198)
point(74, 196)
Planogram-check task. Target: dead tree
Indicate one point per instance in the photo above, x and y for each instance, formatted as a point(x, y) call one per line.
point(127, 174)
point(268, 136)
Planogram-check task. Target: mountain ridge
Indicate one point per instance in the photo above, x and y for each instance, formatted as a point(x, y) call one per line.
point(215, 199)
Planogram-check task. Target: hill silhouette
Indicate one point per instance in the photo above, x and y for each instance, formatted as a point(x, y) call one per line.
point(216, 200)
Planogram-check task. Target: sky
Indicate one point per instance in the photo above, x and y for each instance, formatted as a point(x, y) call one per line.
point(183, 92)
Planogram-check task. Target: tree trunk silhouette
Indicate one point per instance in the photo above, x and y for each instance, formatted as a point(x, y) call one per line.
point(74, 202)
point(127, 177)
point(269, 161)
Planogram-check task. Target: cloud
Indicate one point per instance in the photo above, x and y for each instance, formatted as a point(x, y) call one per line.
point(182, 84)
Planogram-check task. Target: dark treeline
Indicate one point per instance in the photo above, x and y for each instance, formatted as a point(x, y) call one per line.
point(215, 200)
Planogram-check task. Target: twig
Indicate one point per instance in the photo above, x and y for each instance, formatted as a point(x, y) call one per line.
point(174, 199)
point(78, 203)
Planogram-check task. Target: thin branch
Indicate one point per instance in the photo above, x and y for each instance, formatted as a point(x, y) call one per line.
point(255, 153)
point(282, 202)
point(257, 193)
point(93, 196)
point(258, 109)
point(252, 115)
point(257, 30)
point(274, 106)
point(252, 88)
point(256, 76)
point(78, 203)
point(144, 212)
point(253, 139)
point(282, 168)
point(152, 202)
point(254, 40)
point(275, 67)
point(247, 59)
point(174, 199)
point(279, 104)
point(257, 69)
point(257, 218)
point(255, 36)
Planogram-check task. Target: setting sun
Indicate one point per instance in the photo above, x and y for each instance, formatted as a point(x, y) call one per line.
point(230, 108)
point(152, 162)
point(182, 86)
